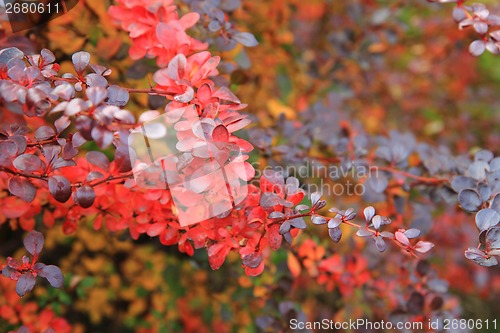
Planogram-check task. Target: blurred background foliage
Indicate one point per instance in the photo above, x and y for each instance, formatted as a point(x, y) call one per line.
point(398, 64)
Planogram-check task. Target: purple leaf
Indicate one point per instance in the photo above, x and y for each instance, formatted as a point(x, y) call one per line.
point(377, 183)
point(122, 159)
point(438, 285)
point(8, 54)
point(21, 143)
point(477, 47)
point(493, 238)
point(487, 218)
point(284, 228)
point(101, 70)
point(93, 175)
point(65, 91)
point(84, 196)
point(415, 303)
point(54, 275)
point(60, 188)
point(117, 96)
point(302, 207)
point(22, 188)
point(380, 244)
point(460, 183)
point(214, 26)
point(369, 212)
point(469, 200)
point(96, 95)
point(334, 223)
point(8, 271)
point(298, 223)
point(363, 232)
point(276, 215)
point(47, 56)
point(44, 133)
point(80, 61)
point(61, 162)
point(387, 234)
point(459, 14)
point(269, 200)
point(377, 221)
point(423, 267)
point(252, 260)
point(481, 27)
point(246, 39)
point(75, 106)
point(25, 284)
point(69, 151)
point(315, 197)
point(483, 155)
point(412, 233)
point(78, 139)
point(480, 258)
point(95, 80)
point(318, 220)
point(62, 123)
point(98, 159)
point(27, 162)
point(33, 242)
point(102, 136)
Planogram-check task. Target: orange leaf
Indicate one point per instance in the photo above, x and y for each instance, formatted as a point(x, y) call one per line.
point(294, 265)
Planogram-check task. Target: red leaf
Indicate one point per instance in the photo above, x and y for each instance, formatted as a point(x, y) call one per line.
point(220, 133)
point(217, 255)
point(48, 219)
point(274, 237)
point(12, 207)
point(254, 271)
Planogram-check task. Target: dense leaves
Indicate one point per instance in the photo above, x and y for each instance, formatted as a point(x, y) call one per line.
point(71, 156)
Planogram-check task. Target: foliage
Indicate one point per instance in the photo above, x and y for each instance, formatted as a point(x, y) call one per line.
point(65, 160)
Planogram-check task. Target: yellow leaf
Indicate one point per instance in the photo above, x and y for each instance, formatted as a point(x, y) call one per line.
point(276, 108)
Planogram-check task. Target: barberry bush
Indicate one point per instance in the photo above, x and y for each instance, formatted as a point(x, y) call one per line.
point(356, 143)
